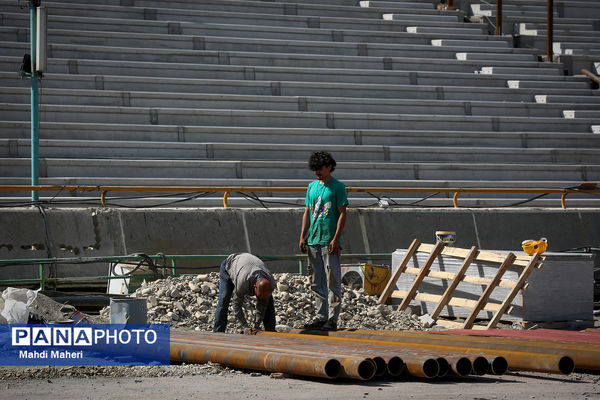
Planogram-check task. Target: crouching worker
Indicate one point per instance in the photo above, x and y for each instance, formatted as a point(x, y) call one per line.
point(243, 274)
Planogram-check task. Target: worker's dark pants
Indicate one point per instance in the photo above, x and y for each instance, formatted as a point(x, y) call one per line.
point(225, 292)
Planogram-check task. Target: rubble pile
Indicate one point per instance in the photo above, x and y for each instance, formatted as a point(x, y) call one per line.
point(190, 302)
point(46, 373)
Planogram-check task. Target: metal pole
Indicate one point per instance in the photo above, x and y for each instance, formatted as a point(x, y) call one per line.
point(550, 34)
point(34, 102)
point(498, 17)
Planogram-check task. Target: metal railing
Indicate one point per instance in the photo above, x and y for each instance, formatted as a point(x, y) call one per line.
point(550, 26)
point(159, 261)
point(584, 188)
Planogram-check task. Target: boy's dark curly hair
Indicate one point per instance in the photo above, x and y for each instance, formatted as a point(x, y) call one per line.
point(319, 159)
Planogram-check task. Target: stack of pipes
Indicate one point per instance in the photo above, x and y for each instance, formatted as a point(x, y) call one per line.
point(327, 357)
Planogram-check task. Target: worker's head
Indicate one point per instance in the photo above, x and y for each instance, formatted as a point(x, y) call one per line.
point(323, 164)
point(263, 288)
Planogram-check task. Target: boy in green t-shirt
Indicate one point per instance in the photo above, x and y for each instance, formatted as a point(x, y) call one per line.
point(322, 225)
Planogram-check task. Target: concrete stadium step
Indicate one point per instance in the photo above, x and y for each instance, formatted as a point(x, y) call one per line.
point(282, 119)
point(76, 149)
point(567, 99)
point(400, 5)
point(79, 24)
point(424, 17)
point(473, 56)
point(74, 67)
point(214, 43)
point(445, 31)
point(519, 71)
point(286, 59)
point(286, 88)
point(223, 169)
point(574, 47)
point(258, 7)
point(511, 23)
point(582, 114)
point(236, 134)
point(173, 17)
point(533, 28)
point(541, 84)
point(205, 101)
point(470, 43)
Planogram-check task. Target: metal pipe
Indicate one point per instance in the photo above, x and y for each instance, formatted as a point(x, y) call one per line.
point(319, 367)
point(352, 366)
point(35, 122)
point(480, 365)
point(498, 365)
point(584, 356)
point(591, 75)
point(498, 17)
point(550, 32)
point(517, 358)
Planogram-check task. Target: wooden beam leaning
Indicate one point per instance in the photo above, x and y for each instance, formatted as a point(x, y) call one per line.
point(419, 278)
point(509, 298)
point(508, 261)
point(389, 288)
point(457, 279)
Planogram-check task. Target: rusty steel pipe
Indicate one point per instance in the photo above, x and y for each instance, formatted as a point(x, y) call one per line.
point(318, 367)
point(395, 366)
point(498, 365)
point(352, 366)
point(480, 365)
point(418, 362)
point(459, 366)
point(517, 358)
point(585, 356)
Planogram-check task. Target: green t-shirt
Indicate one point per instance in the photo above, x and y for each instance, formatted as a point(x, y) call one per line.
point(323, 201)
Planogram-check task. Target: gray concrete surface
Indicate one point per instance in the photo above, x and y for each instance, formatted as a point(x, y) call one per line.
point(107, 232)
point(524, 386)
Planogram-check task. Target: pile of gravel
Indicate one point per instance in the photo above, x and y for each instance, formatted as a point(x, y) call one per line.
point(189, 302)
point(21, 373)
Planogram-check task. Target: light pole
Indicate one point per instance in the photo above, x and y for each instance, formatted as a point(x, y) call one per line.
point(35, 122)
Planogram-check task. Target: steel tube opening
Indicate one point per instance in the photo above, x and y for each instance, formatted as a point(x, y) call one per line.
point(480, 365)
point(498, 366)
point(444, 366)
point(566, 365)
point(395, 366)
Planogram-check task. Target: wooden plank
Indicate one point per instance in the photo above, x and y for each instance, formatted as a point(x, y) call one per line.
point(468, 278)
point(488, 256)
point(455, 325)
point(454, 301)
point(389, 288)
point(419, 278)
point(508, 261)
point(457, 279)
point(509, 298)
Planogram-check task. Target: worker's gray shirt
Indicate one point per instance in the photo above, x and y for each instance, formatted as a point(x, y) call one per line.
point(244, 269)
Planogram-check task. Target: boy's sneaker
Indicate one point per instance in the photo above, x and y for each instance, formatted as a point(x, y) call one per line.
point(315, 324)
point(330, 325)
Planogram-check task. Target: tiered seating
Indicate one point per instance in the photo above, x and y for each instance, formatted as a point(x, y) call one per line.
point(201, 92)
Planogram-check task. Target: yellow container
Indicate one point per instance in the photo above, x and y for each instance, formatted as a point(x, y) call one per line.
point(375, 277)
point(535, 246)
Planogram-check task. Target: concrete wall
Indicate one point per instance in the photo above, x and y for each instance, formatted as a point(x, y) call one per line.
point(105, 232)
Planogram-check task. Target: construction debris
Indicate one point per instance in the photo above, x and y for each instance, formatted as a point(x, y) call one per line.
point(20, 373)
point(190, 302)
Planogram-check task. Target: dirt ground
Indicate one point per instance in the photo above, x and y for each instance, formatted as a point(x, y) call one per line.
point(244, 385)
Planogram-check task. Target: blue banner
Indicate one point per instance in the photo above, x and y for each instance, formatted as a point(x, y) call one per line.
point(84, 344)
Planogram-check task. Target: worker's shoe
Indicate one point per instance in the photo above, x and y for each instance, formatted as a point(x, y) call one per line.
point(315, 324)
point(330, 325)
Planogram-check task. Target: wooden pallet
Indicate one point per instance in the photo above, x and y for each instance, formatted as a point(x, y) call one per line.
point(454, 279)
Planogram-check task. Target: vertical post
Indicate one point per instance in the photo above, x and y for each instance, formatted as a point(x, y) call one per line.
point(34, 101)
point(498, 17)
point(550, 34)
point(174, 267)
